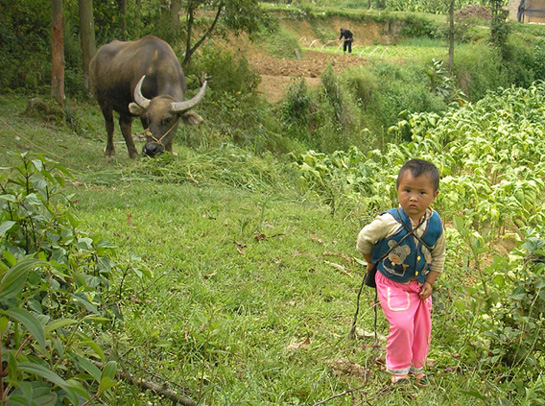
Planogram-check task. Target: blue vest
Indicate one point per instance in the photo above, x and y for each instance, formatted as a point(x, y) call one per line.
point(411, 259)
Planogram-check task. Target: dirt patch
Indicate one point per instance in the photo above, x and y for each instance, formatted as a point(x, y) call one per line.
point(473, 11)
point(277, 73)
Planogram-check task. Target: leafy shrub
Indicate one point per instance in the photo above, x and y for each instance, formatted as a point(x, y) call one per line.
point(54, 290)
point(226, 72)
point(539, 61)
point(519, 316)
point(417, 26)
point(25, 48)
point(298, 104)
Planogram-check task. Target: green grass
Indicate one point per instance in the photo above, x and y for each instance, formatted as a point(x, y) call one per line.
point(393, 52)
point(241, 272)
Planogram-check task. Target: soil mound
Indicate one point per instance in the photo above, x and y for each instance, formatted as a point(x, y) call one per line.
point(475, 11)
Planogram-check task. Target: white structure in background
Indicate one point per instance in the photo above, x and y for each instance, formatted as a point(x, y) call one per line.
point(527, 11)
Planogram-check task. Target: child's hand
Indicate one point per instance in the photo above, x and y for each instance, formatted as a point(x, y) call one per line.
point(425, 291)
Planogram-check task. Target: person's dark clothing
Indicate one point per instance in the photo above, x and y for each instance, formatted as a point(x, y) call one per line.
point(348, 38)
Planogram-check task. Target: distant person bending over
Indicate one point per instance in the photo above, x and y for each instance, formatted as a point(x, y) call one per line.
point(348, 38)
point(411, 263)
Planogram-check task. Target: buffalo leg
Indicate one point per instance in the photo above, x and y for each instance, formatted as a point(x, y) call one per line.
point(125, 122)
point(107, 112)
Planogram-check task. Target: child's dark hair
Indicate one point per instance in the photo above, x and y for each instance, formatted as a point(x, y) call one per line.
point(419, 167)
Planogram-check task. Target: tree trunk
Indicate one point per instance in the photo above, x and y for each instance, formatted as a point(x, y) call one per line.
point(123, 8)
point(451, 36)
point(57, 47)
point(175, 8)
point(87, 37)
point(138, 9)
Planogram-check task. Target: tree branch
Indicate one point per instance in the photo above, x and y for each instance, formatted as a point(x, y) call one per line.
point(155, 388)
point(191, 50)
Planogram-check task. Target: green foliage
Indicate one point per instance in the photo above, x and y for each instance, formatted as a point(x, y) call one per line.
point(443, 85)
point(54, 285)
point(283, 44)
point(517, 319)
point(225, 72)
point(336, 96)
point(418, 26)
point(298, 105)
point(479, 69)
point(396, 89)
point(499, 29)
point(25, 32)
point(325, 120)
point(490, 157)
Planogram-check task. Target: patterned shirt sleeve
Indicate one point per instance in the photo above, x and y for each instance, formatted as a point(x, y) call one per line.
point(381, 227)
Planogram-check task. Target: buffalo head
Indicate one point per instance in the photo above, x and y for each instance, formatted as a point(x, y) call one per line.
point(163, 113)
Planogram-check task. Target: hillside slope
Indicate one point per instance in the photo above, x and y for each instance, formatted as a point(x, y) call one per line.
point(317, 47)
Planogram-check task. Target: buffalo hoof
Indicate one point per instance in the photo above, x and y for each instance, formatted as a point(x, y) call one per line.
point(109, 153)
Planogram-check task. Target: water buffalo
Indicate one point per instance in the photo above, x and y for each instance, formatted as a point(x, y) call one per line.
point(142, 78)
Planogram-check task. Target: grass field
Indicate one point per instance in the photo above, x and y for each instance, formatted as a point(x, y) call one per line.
point(254, 282)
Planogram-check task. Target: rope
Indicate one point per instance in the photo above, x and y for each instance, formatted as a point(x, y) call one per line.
point(352, 333)
point(148, 133)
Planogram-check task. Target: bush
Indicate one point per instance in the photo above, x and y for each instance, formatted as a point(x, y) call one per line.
point(25, 48)
point(298, 104)
point(283, 44)
point(54, 290)
point(226, 72)
point(539, 61)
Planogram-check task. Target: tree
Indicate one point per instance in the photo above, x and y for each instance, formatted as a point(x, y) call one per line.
point(499, 30)
point(57, 47)
point(451, 35)
point(87, 37)
point(123, 8)
point(238, 15)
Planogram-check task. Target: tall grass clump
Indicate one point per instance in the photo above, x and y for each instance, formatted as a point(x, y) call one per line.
point(281, 42)
point(357, 107)
point(326, 119)
point(524, 60)
point(386, 90)
point(478, 70)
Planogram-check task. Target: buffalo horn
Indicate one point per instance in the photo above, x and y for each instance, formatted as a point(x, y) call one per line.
point(179, 107)
point(138, 97)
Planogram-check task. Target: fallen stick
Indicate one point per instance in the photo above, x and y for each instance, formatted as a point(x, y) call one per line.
point(158, 389)
point(152, 386)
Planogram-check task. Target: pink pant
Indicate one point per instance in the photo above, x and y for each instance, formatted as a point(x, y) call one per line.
point(410, 324)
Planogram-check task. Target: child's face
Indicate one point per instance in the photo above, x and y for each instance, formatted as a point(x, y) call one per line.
point(415, 194)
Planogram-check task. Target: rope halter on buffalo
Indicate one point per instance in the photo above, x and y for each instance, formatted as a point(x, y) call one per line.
point(159, 141)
